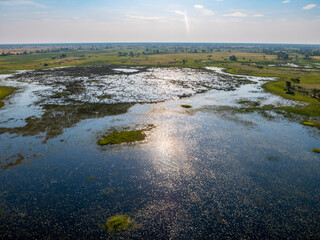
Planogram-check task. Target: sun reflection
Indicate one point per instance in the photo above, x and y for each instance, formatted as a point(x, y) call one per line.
point(168, 152)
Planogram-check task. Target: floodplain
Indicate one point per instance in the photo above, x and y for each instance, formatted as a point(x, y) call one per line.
point(160, 142)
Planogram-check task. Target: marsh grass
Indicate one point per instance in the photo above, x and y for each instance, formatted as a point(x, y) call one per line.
point(310, 124)
point(316, 150)
point(186, 106)
point(249, 103)
point(4, 92)
point(106, 96)
point(118, 223)
point(123, 137)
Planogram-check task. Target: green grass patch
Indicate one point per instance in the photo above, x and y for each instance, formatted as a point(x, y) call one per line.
point(307, 111)
point(118, 223)
point(123, 137)
point(316, 150)
point(311, 124)
point(186, 106)
point(4, 92)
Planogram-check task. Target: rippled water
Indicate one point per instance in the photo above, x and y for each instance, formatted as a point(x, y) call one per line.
point(202, 173)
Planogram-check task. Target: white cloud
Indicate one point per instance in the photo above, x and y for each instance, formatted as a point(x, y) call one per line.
point(236, 14)
point(198, 6)
point(178, 12)
point(286, 1)
point(258, 15)
point(21, 2)
point(310, 6)
point(143, 17)
point(204, 11)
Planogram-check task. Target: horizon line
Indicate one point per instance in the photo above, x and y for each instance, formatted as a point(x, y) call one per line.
point(120, 42)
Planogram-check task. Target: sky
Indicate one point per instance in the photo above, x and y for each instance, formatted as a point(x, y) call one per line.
point(226, 21)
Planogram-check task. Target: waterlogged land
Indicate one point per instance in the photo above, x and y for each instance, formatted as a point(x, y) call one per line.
point(187, 153)
point(286, 62)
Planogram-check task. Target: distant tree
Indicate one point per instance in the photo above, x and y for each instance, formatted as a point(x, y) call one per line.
point(315, 93)
point(307, 56)
point(295, 80)
point(63, 55)
point(233, 58)
point(288, 87)
point(282, 56)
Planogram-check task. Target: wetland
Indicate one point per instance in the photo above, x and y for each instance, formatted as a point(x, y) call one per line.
point(156, 152)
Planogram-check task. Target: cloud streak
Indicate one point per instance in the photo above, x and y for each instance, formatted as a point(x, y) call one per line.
point(310, 6)
point(236, 14)
point(143, 17)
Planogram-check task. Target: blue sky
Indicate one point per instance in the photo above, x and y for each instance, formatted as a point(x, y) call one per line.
point(272, 21)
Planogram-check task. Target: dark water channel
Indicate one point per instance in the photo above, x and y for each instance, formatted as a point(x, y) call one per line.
point(202, 173)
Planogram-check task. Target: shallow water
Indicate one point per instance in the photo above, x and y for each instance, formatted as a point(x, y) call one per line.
point(202, 173)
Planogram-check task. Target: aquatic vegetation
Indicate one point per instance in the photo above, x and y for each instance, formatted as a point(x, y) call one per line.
point(249, 103)
point(90, 178)
point(186, 106)
point(316, 150)
point(106, 96)
point(60, 94)
point(307, 111)
point(311, 124)
point(107, 191)
point(4, 92)
point(118, 223)
point(273, 158)
point(56, 118)
point(123, 137)
point(18, 159)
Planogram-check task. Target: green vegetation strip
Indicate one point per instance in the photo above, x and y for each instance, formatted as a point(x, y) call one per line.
point(118, 223)
point(310, 124)
point(186, 106)
point(123, 137)
point(316, 150)
point(4, 92)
